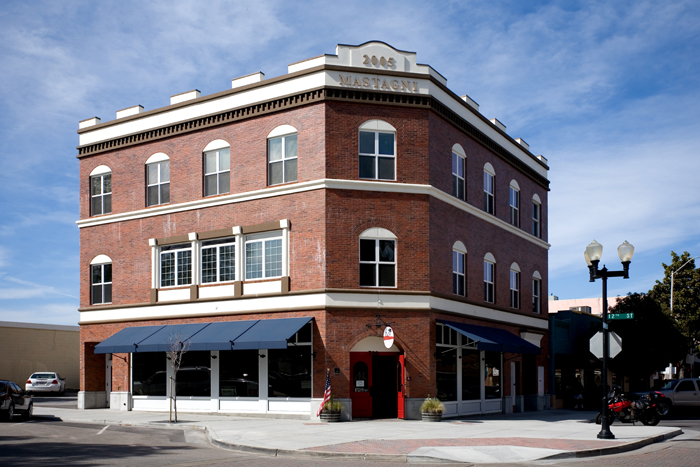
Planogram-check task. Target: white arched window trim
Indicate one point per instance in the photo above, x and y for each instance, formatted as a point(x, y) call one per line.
point(515, 267)
point(459, 246)
point(515, 185)
point(489, 257)
point(459, 150)
point(536, 275)
point(157, 157)
point(489, 168)
point(101, 259)
point(100, 170)
point(378, 232)
point(216, 144)
point(282, 130)
point(536, 199)
point(377, 125)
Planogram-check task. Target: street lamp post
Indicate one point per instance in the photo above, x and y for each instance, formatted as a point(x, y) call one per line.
point(673, 273)
point(592, 254)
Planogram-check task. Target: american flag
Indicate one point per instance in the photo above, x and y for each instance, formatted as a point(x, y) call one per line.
point(326, 393)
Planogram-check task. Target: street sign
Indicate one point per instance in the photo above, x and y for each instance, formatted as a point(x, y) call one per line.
point(621, 316)
point(614, 341)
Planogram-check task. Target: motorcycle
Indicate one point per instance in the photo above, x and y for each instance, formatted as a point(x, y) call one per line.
point(663, 404)
point(620, 406)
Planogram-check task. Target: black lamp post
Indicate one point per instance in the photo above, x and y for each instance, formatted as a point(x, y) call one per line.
point(592, 254)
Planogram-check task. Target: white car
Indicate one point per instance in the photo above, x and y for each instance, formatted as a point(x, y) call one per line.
point(45, 381)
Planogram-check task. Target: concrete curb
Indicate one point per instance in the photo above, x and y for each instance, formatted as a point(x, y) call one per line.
point(614, 449)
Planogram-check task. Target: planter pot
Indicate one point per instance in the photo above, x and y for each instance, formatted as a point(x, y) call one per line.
point(431, 417)
point(330, 417)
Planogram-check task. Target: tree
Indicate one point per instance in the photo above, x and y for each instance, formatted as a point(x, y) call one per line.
point(177, 348)
point(649, 341)
point(686, 297)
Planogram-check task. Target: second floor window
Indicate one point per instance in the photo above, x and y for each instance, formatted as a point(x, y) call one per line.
point(263, 257)
point(176, 265)
point(458, 273)
point(536, 293)
point(217, 172)
point(282, 159)
point(514, 206)
point(101, 194)
point(101, 284)
point(458, 183)
point(219, 260)
point(377, 155)
point(535, 219)
point(158, 183)
point(489, 281)
point(514, 289)
point(377, 263)
point(488, 193)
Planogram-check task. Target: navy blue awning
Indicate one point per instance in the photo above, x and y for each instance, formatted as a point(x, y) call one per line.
point(230, 335)
point(494, 339)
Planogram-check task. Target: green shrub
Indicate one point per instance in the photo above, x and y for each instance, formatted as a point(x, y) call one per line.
point(432, 405)
point(332, 406)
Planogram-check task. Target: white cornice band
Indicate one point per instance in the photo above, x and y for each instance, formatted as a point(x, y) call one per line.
point(324, 183)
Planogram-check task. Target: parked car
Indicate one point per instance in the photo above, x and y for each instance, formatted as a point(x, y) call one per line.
point(682, 392)
point(14, 400)
point(46, 381)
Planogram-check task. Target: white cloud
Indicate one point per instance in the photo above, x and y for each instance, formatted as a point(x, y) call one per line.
point(29, 290)
point(54, 313)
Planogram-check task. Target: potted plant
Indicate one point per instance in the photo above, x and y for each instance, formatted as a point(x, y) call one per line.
point(431, 409)
point(331, 410)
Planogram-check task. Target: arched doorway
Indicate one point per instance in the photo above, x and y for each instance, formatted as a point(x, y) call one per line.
point(377, 380)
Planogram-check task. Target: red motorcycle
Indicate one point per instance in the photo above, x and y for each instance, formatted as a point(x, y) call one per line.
point(620, 406)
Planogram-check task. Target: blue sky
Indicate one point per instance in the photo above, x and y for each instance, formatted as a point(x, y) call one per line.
point(608, 92)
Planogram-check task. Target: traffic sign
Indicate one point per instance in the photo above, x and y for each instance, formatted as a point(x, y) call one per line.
point(614, 341)
point(621, 316)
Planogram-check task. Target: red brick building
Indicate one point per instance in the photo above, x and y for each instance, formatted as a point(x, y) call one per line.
point(280, 227)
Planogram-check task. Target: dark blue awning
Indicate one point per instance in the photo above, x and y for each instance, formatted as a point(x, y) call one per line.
point(230, 335)
point(494, 339)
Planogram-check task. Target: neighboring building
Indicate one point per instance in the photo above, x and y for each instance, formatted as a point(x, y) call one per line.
point(279, 227)
point(30, 347)
point(586, 305)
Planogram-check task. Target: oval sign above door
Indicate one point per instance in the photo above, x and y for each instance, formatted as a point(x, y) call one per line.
point(388, 337)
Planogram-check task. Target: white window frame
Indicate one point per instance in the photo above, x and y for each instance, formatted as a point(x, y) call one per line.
point(459, 277)
point(101, 173)
point(489, 191)
point(378, 235)
point(536, 293)
point(216, 244)
point(264, 239)
point(489, 279)
point(514, 281)
point(514, 201)
point(157, 160)
point(217, 147)
point(536, 217)
point(168, 249)
point(376, 127)
point(282, 133)
point(100, 262)
point(459, 161)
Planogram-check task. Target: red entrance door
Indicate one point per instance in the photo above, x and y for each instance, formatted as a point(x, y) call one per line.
point(360, 382)
point(401, 378)
point(367, 390)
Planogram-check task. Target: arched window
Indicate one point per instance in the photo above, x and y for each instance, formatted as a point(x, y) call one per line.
point(458, 172)
point(459, 269)
point(489, 278)
point(100, 191)
point(489, 176)
point(536, 215)
point(515, 286)
point(157, 179)
point(536, 292)
point(217, 168)
point(377, 150)
point(282, 155)
point(377, 258)
point(101, 280)
point(514, 203)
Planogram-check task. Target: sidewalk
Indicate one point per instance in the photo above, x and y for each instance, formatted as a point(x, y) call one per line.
point(552, 434)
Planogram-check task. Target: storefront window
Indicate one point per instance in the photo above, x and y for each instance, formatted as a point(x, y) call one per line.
point(446, 366)
point(471, 386)
point(492, 371)
point(149, 374)
point(238, 373)
point(194, 376)
point(289, 371)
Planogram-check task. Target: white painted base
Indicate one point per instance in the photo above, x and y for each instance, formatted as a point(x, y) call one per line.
point(120, 400)
point(92, 400)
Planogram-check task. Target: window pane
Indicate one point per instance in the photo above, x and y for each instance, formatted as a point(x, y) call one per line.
point(210, 162)
point(107, 273)
point(446, 373)
point(276, 173)
point(165, 171)
point(210, 187)
point(208, 265)
point(368, 275)
point(386, 143)
point(460, 188)
point(274, 149)
point(367, 167)
point(290, 170)
point(366, 142)
point(492, 369)
point(149, 374)
point(224, 160)
point(387, 275)
point(107, 183)
point(165, 193)
point(194, 377)
point(152, 195)
point(108, 293)
point(96, 206)
point(152, 170)
point(96, 186)
point(367, 250)
point(238, 373)
point(289, 372)
point(290, 149)
point(224, 182)
point(106, 204)
point(471, 386)
point(184, 267)
point(273, 258)
point(167, 269)
point(96, 274)
point(386, 250)
point(386, 168)
point(253, 260)
point(96, 294)
point(227, 263)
